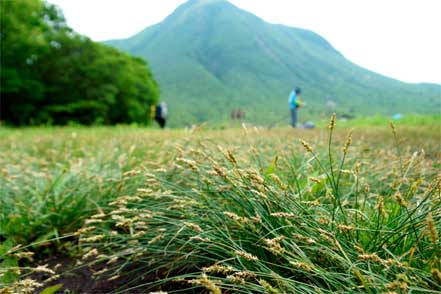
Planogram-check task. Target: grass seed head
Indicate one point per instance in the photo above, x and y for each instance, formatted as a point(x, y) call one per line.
point(307, 146)
point(436, 275)
point(345, 228)
point(231, 157)
point(207, 283)
point(370, 257)
point(305, 239)
point(246, 255)
point(194, 227)
point(218, 269)
point(51, 279)
point(332, 121)
point(24, 255)
point(156, 239)
point(43, 269)
point(268, 288)
point(433, 233)
point(380, 206)
point(392, 126)
point(284, 215)
point(302, 266)
point(220, 172)
point(26, 286)
point(112, 278)
point(347, 143)
point(399, 198)
point(274, 246)
point(93, 252)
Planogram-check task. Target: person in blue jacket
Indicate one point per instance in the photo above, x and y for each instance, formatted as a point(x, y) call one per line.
point(294, 104)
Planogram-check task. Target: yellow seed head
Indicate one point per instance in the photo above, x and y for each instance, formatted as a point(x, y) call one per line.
point(307, 146)
point(357, 169)
point(369, 257)
point(231, 157)
point(26, 255)
point(307, 240)
point(278, 182)
point(332, 121)
point(433, 233)
point(392, 126)
point(436, 275)
point(200, 239)
point(207, 283)
point(113, 260)
point(345, 228)
point(274, 246)
point(380, 206)
point(218, 269)
point(315, 180)
point(89, 254)
point(302, 266)
point(219, 171)
point(50, 279)
point(284, 214)
point(25, 286)
point(267, 286)
point(156, 239)
point(246, 255)
point(43, 269)
point(194, 227)
point(366, 188)
point(115, 277)
point(401, 201)
point(347, 143)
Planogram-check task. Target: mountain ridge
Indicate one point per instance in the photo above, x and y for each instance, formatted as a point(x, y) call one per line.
point(211, 57)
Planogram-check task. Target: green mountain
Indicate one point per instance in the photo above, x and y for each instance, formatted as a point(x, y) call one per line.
point(211, 57)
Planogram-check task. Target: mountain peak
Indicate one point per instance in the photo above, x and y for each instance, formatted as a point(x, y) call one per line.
point(210, 57)
point(200, 3)
point(204, 2)
point(197, 4)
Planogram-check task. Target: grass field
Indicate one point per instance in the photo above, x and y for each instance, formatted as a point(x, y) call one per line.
point(221, 211)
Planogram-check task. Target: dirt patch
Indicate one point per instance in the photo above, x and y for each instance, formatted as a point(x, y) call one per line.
point(80, 279)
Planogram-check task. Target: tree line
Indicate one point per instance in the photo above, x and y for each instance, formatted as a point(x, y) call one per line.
point(52, 75)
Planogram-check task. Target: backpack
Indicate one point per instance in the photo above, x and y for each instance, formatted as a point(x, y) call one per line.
point(158, 111)
point(161, 110)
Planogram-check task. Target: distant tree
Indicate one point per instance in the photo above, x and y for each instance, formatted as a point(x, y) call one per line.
point(50, 74)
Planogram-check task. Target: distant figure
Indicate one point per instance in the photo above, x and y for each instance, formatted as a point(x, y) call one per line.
point(237, 115)
point(294, 104)
point(160, 114)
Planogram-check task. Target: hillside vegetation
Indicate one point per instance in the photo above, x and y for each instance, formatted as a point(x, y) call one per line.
point(211, 57)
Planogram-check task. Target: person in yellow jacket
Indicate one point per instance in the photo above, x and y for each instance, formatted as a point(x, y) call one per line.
point(159, 113)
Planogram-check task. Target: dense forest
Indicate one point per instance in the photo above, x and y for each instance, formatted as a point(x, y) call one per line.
point(52, 75)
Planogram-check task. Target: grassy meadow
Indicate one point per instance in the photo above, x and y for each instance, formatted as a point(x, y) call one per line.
point(244, 210)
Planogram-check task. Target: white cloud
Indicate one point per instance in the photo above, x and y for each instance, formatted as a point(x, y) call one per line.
point(397, 38)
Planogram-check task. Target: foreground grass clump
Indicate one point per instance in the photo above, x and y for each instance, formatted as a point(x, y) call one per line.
point(218, 220)
point(259, 212)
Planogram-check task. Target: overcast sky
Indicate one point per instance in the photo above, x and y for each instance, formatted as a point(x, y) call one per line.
point(397, 38)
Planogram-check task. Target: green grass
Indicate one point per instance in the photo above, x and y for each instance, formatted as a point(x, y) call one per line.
point(407, 120)
point(227, 211)
point(211, 59)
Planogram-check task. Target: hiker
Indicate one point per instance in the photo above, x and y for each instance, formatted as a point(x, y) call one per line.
point(160, 114)
point(294, 103)
point(237, 115)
